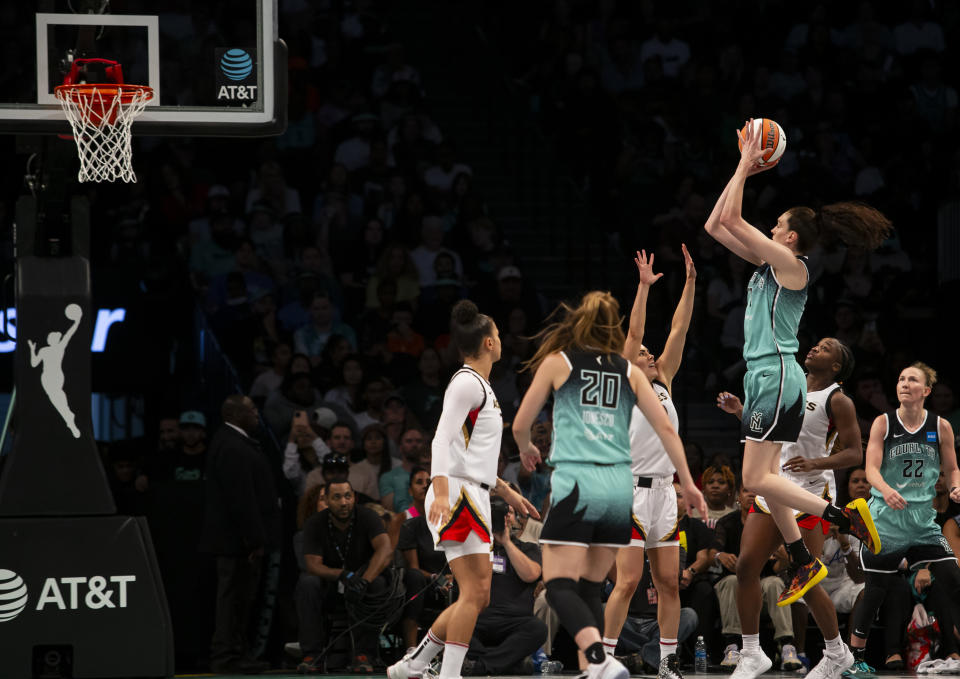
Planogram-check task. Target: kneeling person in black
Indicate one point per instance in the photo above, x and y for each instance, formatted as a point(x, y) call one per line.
point(346, 550)
point(507, 631)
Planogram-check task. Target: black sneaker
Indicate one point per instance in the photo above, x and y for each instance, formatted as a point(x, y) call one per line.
point(669, 668)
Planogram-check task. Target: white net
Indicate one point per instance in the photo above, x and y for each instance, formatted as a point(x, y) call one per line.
point(101, 118)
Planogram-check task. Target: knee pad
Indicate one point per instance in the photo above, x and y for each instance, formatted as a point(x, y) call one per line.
point(564, 598)
point(591, 593)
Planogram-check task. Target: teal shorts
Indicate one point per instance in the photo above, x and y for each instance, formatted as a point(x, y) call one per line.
point(590, 504)
point(775, 394)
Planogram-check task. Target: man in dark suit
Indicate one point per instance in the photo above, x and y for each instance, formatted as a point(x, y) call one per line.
point(241, 522)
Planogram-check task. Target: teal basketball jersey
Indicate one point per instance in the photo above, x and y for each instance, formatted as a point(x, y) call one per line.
point(591, 410)
point(911, 461)
point(772, 317)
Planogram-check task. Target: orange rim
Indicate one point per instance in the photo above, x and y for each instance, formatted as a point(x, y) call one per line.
point(80, 94)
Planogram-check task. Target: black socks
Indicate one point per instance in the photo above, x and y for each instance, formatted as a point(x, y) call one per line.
point(799, 556)
point(835, 515)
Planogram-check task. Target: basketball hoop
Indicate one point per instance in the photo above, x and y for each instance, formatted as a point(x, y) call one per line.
point(101, 116)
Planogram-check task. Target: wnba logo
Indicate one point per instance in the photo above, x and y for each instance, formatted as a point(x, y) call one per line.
point(13, 595)
point(236, 64)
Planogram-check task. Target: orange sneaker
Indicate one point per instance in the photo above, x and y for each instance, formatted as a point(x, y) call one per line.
point(861, 524)
point(804, 578)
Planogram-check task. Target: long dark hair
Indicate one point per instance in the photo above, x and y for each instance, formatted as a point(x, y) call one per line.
point(469, 327)
point(853, 223)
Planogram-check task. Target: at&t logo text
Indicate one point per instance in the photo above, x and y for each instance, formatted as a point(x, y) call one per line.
point(92, 593)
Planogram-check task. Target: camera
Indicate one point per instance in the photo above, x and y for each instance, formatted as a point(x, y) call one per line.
point(498, 514)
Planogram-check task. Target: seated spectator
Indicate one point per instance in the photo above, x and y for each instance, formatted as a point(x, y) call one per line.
point(397, 419)
point(273, 190)
point(507, 632)
point(696, 583)
point(306, 445)
point(354, 153)
point(945, 508)
point(327, 373)
point(919, 32)
point(351, 378)
point(425, 564)
point(122, 475)
point(727, 531)
point(218, 203)
point(514, 291)
point(535, 485)
point(719, 490)
point(343, 545)
point(402, 339)
point(310, 339)
point(395, 265)
point(841, 553)
point(641, 630)
point(440, 175)
point(271, 379)
point(365, 474)
point(296, 393)
point(266, 233)
point(431, 245)
point(672, 52)
point(395, 484)
point(424, 395)
point(373, 396)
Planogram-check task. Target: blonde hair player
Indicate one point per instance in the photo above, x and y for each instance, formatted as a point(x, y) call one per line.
point(466, 448)
point(579, 361)
point(655, 525)
point(774, 386)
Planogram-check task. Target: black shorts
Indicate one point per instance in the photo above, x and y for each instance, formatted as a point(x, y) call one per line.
point(889, 562)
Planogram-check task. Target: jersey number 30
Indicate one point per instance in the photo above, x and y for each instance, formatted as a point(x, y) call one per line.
point(601, 389)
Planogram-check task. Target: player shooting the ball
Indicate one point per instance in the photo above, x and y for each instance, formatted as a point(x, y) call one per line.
point(774, 385)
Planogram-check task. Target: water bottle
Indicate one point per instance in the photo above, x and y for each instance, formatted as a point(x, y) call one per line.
point(538, 659)
point(548, 667)
point(700, 657)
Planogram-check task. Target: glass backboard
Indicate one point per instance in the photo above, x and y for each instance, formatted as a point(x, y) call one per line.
point(216, 67)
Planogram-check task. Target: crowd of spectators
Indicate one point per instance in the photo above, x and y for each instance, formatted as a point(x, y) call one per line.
point(327, 261)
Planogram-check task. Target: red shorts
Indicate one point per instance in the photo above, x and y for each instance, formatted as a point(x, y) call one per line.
point(803, 520)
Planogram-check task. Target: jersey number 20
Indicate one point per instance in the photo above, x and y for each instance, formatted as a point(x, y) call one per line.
point(601, 389)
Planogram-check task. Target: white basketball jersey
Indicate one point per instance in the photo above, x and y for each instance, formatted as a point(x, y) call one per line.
point(649, 457)
point(817, 436)
point(475, 452)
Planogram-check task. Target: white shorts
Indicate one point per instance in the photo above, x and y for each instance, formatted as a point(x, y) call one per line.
point(467, 531)
point(655, 522)
point(843, 593)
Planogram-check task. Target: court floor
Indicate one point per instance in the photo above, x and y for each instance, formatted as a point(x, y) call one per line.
point(283, 674)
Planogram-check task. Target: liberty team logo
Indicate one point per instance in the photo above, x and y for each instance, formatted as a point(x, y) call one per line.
point(50, 360)
point(756, 419)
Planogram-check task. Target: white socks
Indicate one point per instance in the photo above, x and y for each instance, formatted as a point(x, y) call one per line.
point(609, 645)
point(751, 643)
point(667, 646)
point(426, 651)
point(453, 655)
point(834, 646)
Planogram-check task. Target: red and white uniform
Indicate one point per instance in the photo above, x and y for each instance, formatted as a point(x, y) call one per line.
point(654, 519)
point(466, 449)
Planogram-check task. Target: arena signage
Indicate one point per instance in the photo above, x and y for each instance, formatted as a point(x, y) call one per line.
point(101, 328)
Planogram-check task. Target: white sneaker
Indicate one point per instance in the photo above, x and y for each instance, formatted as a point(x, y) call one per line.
point(731, 656)
point(752, 664)
point(831, 666)
point(401, 669)
point(610, 668)
point(950, 666)
point(788, 658)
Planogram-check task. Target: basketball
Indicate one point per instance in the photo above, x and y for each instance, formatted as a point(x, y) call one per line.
point(773, 139)
point(73, 312)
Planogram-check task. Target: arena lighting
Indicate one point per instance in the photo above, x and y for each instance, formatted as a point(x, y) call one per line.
point(105, 318)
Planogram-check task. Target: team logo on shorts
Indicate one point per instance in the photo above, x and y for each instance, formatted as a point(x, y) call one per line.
point(755, 421)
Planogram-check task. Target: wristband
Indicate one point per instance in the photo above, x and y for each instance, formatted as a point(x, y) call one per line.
point(692, 570)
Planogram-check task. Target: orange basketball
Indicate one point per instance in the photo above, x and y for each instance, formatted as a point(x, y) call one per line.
point(772, 139)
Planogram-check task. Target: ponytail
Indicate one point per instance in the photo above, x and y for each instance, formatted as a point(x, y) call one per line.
point(595, 325)
point(856, 224)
